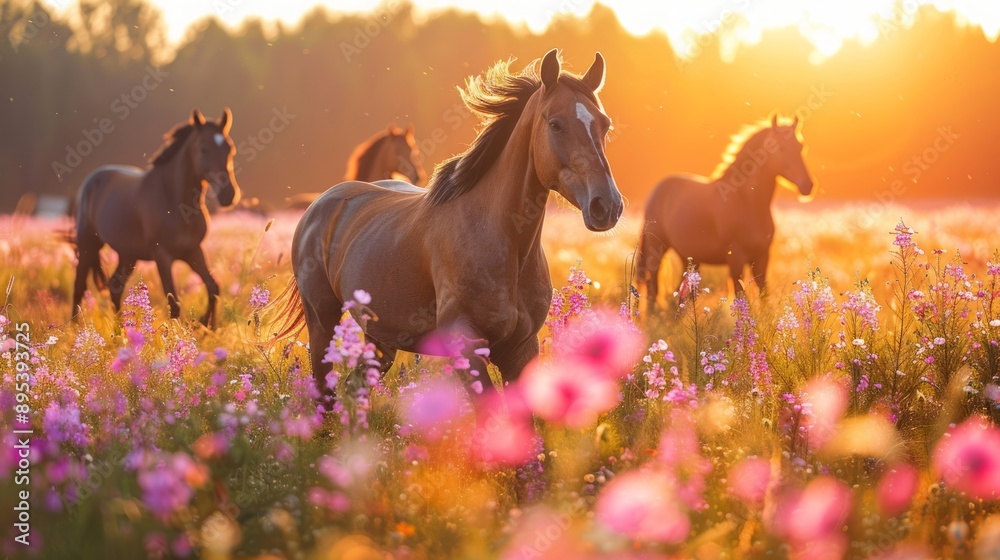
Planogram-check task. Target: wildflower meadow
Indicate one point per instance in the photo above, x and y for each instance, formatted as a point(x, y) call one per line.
point(851, 412)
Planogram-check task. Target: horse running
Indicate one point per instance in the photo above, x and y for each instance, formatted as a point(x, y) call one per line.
point(385, 155)
point(725, 220)
point(465, 253)
point(157, 214)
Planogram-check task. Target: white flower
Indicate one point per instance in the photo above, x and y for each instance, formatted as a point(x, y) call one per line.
point(362, 297)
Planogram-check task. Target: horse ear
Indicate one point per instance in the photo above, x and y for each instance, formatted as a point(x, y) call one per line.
point(550, 69)
point(226, 120)
point(197, 119)
point(774, 120)
point(594, 78)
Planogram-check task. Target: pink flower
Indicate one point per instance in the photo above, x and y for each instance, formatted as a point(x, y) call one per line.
point(748, 480)
point(432, 405)
point(968, 458)
point(602, 340)
point(828, 401)
point(505, 433)
point(896, 488)
point(572, 393)
point(643, 505)
point(813, 519)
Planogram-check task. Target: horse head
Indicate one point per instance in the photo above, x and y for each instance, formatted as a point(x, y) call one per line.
point(789, 164)
point(213, 152)
point(403, 154)
point(568, 140)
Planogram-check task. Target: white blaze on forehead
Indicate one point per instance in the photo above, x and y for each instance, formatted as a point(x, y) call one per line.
point(219, 139)
point(586, 118)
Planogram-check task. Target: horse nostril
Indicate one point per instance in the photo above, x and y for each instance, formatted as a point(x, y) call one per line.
point(599, 209)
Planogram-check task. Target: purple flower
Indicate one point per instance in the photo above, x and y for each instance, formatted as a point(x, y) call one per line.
point(259, 297)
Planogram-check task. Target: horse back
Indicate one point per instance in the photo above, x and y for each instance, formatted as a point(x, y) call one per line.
point(101, 184)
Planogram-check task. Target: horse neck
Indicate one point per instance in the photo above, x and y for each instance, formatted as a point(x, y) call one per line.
point(369, 164)
point(757, 186)
point(509, 196)
point(180, 182)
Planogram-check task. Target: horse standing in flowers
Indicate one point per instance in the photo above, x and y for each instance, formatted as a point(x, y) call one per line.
point(157, 214)
point(725, 220)
point(464, 253)
point(388, 154)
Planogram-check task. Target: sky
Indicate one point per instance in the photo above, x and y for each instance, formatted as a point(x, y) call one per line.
point(827, 24)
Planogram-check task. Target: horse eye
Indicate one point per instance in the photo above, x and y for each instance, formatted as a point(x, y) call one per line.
point(555, 126)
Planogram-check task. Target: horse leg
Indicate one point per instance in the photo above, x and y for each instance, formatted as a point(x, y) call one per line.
point(322, 311)
point(511, 362)
point(758, 267)
point(386, 357)
point(196, 260)
point(89, 257)
point(164, 262)
point(650, 258)
point(116, 284)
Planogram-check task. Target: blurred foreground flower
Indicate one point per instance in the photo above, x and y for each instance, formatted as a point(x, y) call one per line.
point(505, 433)
point(812, 520)
point(895, 489)
point(967, 458)
point(748, 480)
point(572, 393)
point(643, 505)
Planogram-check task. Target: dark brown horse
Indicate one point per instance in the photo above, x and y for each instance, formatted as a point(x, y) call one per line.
point(388, 154)
point(157, 214)
point(725, 220)
point(464, 253)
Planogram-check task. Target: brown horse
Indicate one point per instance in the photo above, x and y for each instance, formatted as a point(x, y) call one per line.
point(386, 155)
point(157, 214)
point(725, 220)
point(464, 253)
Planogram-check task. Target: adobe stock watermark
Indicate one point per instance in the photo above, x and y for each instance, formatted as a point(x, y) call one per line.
point(121, 107)
point(913, 169)
point(363, 36)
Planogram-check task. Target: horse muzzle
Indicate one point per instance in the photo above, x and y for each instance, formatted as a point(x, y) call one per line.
point(603, 213)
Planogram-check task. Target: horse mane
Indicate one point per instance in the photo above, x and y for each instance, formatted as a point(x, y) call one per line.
point(498, 97)
point(363, 156)
point(174, 140)
point(747, 137)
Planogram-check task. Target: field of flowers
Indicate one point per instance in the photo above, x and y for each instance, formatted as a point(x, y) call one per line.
point(850, 413)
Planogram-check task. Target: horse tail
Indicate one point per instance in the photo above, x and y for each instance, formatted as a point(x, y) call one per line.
point(83, 236)
point(289, 315)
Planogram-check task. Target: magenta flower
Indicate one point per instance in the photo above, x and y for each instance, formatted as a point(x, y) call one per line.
point(812, 519)
point(643, 505)
point(432, 405)
point(895, 489)
point(967, 458)
point(748, 480)
point(505, 433)
point(568, 392)
point(602, 340)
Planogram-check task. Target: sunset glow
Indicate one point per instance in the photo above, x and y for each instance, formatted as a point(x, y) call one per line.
point(825, 24)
